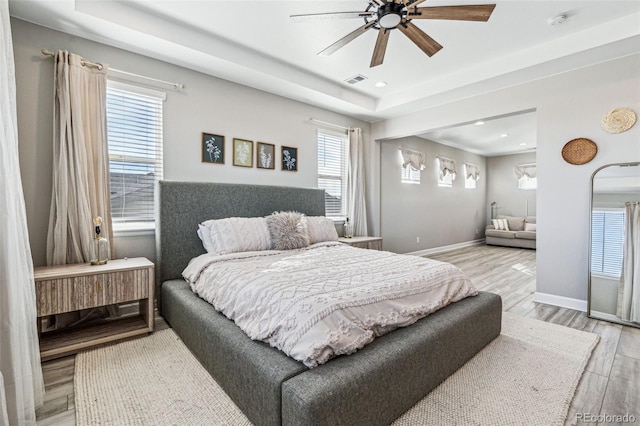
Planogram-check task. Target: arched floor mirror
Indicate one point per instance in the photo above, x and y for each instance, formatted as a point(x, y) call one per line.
point(614, 260)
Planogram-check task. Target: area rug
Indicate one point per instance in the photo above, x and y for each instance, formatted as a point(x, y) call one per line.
point(528, 375)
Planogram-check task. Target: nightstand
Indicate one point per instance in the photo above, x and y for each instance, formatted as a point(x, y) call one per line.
point(68, 288)
point(372, 243)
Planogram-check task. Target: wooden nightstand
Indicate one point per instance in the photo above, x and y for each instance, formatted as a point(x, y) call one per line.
point(372, 243)
point(68, 288)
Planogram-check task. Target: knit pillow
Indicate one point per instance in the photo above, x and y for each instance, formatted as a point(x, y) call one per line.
point(288, 230)
point(321, 229)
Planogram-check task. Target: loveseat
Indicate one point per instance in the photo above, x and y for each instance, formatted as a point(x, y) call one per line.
point(512, 231)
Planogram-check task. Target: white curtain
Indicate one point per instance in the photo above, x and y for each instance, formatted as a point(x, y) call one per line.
point(447, 167)
point(356, 184)
point(472, 171)
point(21, 386)
point(528, 170)
point(629, 288)
point(413, 159)
point(80, 159)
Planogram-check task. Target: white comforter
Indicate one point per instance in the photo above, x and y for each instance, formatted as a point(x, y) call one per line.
point(324, 300)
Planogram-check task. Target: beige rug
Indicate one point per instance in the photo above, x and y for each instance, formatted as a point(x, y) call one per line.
point(528, 375)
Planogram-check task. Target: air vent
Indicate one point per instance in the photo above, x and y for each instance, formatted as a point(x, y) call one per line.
point(355, 79)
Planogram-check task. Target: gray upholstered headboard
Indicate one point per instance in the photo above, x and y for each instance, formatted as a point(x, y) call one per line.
point(183, 205)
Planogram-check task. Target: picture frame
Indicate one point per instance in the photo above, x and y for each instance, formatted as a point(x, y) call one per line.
point(212, 148)
point(242, 152)
point(265, 155)
point(289, 158)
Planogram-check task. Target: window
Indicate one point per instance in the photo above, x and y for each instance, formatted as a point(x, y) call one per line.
point(446, 172)
point(527, 176)
point(471, 176)
point(412, 163)
point(410, 175)
point(134, 134)
point(607, 240)
point(526, 182)
point(332, 171)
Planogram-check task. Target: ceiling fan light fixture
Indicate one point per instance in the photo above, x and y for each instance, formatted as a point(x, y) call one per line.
point(390, 15)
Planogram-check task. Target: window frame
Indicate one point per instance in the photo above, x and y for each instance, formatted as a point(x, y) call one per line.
point(610, 261)
point(133, 227)
point(344, 165)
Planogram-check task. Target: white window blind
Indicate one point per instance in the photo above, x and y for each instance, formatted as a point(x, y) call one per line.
point(332, 171)
point(410, 175)
point(134, 133)
point(607, 240)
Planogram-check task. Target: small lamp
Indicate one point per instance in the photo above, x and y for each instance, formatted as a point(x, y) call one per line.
point(100, 248)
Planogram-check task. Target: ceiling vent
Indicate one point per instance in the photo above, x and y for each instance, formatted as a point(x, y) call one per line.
point(356, 79)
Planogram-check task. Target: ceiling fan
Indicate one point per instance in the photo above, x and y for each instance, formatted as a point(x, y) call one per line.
point(385, 15)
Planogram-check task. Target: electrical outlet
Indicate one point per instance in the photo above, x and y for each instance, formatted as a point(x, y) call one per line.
point(417, 240)
point(477, 231)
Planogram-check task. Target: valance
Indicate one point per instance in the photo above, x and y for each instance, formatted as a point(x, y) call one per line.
point(414, 159)
point(472, 171)
point(447, 167)
point(528, 170)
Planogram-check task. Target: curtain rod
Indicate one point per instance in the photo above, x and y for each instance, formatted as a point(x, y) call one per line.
point(177, 86)
point(313, 120)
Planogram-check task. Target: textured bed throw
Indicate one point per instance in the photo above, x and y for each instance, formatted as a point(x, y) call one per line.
point(325, 300)
point(528, 375)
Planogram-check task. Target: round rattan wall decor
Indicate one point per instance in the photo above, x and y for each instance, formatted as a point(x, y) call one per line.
point(579, 151)
point(618, 120)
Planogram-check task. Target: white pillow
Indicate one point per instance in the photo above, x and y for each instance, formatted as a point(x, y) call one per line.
point(500, 224)
point(321, 228)
point(530, 227)
point(235, 234)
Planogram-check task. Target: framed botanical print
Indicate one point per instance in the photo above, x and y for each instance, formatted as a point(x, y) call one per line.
point(265, 155)
point(289, 159)
point(212, 148)
point(242, 152)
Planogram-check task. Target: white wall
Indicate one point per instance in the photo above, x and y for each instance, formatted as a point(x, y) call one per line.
point(502, 186)
point(569, 106)
point(436, 215)
point(207, 104)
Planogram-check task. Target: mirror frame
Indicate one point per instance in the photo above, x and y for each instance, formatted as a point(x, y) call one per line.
point(593, 175)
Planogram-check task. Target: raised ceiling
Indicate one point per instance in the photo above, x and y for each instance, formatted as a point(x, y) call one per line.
point(256, 43)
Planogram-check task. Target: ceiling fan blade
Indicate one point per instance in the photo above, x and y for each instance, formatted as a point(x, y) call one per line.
point(332, 15)
point(346, 39)
point(479, 12)
point(381, 47)
point(422, 40)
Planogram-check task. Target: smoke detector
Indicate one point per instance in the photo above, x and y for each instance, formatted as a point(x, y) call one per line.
point(557, 20)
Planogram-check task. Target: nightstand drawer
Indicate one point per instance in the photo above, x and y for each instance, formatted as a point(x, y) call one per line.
point(60, 295)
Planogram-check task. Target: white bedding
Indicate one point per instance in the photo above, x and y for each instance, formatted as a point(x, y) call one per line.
point(324, 300)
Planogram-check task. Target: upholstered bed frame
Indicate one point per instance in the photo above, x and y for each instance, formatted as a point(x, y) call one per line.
point(374, 386)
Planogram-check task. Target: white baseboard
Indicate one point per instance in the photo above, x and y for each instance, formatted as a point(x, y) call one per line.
point(446, 248)
point(563, 302)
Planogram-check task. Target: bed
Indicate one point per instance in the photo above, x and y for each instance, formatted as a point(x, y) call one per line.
point(373, 386)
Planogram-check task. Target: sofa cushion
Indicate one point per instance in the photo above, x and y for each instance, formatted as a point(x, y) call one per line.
point(500, 234)
point(516, 223)
point(527, 235)
point(530, 227)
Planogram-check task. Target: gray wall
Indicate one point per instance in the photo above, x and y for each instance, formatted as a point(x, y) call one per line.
point(207, 104)
point(502, 186)
point(438, 216)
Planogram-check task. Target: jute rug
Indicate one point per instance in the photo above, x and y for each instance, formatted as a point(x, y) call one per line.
point(528, 375)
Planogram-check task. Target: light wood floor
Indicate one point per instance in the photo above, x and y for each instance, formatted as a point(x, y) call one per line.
point(610, 384)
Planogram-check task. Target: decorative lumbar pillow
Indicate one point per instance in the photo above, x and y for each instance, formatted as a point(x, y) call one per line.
point(288, 230)
point(530, 227)
point(235, 234)
point(500, 224)
point(321, 228)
